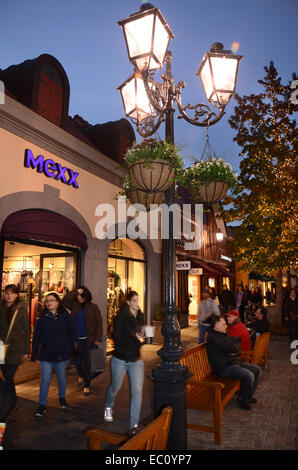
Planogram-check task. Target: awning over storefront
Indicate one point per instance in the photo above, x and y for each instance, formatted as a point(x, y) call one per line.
point(260, 277)
point(207, 267)
point(211, 269)
point(222, 271)
point(37, 224)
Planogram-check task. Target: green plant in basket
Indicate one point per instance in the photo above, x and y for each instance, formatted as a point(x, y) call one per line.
point(204, 172)
point(150, 150)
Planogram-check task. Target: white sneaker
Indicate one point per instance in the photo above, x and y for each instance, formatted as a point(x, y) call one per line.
point(108, 416)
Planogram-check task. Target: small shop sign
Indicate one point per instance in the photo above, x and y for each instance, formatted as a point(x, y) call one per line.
point(196, 271)
point(183, 265)
point(51, 169)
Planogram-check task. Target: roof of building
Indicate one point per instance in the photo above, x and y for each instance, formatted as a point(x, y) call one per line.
point(23, 83)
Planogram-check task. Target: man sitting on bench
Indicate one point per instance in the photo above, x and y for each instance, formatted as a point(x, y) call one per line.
point(260, 325)
point(224, 357)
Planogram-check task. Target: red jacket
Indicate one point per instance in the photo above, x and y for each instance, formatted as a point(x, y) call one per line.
point(239, 329)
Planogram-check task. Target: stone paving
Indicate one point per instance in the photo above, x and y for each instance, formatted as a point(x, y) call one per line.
point(271, 424)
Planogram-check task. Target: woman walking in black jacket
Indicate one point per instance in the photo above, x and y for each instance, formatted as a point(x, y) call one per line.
point(54, 337)
point(14, 331)
point(127, 331)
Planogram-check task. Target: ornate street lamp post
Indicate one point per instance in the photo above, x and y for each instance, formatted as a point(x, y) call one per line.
point(148, 103)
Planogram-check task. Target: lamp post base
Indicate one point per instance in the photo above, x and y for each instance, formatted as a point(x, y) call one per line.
point(170, 390)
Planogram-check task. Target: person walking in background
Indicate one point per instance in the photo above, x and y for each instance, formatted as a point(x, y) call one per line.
point(127, 329)
point(238, 329)
point(226, 299)
point(54, 338)
point(269, 296)
point(257, 297)
point(207, 307)
point(291, 314)
point(14, 331)
point(248, 293)
point(88, 322)
point(224, 357)
point(241, 302)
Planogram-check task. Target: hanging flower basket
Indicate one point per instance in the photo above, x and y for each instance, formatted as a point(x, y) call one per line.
point(152, 165)
point(136, 196)
point(208, 181)
point(158, 177)
point(213, 192)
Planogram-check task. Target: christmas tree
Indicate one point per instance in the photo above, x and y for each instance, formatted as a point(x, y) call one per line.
point(266, 200)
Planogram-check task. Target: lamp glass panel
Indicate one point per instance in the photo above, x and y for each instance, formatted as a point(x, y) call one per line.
point(224, 72)
point(161, 39)
point(129, 96)
point(207, 79)
point(142, 63)
point(222, 98)
point(219, 236)
point(139, 36)
point(142, 101)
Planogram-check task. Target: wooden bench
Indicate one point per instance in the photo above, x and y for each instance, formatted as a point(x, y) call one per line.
point(259, 354)
point(206, 391)
point(153, 437)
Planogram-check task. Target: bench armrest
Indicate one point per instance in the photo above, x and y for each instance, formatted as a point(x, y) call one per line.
point(218, 385)
point(99, 435)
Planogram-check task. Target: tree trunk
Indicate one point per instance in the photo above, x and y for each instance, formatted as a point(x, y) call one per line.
point(289, 284)
point(278, 311)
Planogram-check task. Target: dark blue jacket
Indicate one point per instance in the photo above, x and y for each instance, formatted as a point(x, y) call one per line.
point(55, 335)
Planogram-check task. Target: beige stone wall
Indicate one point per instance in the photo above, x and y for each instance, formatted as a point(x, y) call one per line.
point(24, 188)
point(16, 178)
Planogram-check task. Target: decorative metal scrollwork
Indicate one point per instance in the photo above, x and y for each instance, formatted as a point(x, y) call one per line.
point(149, 125)
point(162, 97)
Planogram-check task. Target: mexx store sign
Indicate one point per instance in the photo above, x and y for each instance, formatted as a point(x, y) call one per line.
point(51, 169)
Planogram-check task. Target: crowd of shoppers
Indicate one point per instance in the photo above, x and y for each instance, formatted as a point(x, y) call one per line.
point(72, 327)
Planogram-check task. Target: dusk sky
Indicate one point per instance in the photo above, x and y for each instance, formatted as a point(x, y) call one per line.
point(85, 37)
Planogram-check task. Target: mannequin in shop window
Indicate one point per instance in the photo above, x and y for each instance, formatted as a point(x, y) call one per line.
point(14, 331)
point(88, 322)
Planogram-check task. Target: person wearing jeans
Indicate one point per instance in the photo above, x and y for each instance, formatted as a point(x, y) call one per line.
point(46, 375)
point(127, 328)
point(54, 337)
point(224, 357)
point(249, 378)
point(135, 372)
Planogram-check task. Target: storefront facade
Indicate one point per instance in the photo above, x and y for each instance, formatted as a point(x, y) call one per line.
point(210, 266)
point(51, 182)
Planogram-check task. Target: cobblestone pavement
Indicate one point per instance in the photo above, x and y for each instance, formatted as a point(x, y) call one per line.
point(271, 424)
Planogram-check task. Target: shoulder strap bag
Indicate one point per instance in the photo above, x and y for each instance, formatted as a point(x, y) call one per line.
point(6, 344)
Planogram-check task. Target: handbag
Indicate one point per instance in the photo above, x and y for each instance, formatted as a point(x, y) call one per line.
point(6, 344)
point(97, 360)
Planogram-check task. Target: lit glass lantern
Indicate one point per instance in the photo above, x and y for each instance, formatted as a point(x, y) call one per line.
point(219, 236)
point(147, 36)
point(135, 100)
point(218, 72)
